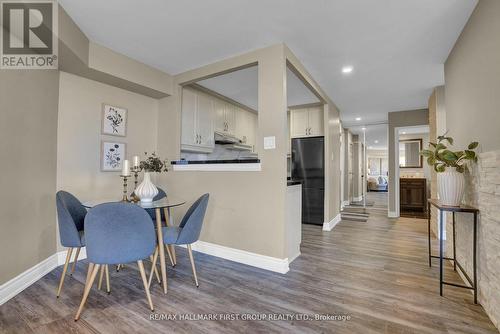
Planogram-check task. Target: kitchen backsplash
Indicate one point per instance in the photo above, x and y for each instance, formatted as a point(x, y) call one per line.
point(219, 153)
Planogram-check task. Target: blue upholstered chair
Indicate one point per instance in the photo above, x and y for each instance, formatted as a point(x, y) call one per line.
point(188, 230)
point(117, 233)
point(70, 217)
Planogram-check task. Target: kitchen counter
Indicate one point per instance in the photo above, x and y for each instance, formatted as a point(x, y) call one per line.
point(233, 165)
point(292, 183)
point(204, 162)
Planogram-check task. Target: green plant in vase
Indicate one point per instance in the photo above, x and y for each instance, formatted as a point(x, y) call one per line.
point(450, 166)
point(146, 191)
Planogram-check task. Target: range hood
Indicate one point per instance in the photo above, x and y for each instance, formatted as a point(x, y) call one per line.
point(225, 138)
point(231, 142)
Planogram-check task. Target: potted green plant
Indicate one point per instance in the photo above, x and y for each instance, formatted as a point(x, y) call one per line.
point(450, 166)
point(146, 190)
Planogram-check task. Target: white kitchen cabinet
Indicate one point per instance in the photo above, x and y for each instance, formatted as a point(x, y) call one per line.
point(205, 121)
point(245, 126)
point(188, 131)
point(220, 115)
point(198, 117)
point(306, 122)
point(225, 117)
point(230, 117)
point(315, 117)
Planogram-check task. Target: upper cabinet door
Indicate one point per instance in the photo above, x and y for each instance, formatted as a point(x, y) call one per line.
point(315, 121)
point(246, 126)
point(220, 116)
point(188, 130)
point(205, 120)
point(230, 112)
point(299, 122)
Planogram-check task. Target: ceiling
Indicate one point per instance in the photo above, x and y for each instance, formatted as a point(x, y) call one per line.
point(397, 48)
point(242, 86)
point(376, 136)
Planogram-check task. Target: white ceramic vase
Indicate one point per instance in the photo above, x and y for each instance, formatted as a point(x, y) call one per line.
point(146, 190)
point(451, 186)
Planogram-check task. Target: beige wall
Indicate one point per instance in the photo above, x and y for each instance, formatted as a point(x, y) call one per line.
point(28, 139)
point(400, 119)
point(472, 76)
point(246, 209)
point(472, 95)
point(79, 135)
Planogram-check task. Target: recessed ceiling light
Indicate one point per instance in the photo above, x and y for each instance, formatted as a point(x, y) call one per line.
point(358, 118)
point(347, 69)
point(404, 132)
point(363, 128)
point(370, 147)
point(376, 141)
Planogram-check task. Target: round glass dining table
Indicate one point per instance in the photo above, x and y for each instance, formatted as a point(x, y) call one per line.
point(166, 204)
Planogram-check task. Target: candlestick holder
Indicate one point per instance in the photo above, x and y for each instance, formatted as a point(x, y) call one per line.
point(136, 171)
point(125, 189)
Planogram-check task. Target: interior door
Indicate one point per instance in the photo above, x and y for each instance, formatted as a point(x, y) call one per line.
point(188, 132)
point(205, 120)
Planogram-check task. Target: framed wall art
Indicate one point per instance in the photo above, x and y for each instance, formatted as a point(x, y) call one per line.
point(112, 155)
point(114, 120)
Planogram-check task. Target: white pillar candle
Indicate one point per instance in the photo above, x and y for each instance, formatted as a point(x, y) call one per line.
point(136, 161)
point(125, 168)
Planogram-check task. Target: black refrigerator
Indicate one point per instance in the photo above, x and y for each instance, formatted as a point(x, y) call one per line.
point(308, 167)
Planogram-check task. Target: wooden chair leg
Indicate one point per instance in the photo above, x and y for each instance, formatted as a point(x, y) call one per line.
point(155, 270)
point(108, 286)
point(192, 264)
point(101, 275)
point(88, 286)
point(169, 221)
point(74, 261)
point(89, 272)
point(170, 255)
point(61, 282)
point(145, 282)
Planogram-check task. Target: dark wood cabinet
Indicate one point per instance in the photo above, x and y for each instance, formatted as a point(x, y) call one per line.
point(413, 194)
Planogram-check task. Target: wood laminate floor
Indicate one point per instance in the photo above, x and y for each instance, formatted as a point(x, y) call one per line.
point(376, 272)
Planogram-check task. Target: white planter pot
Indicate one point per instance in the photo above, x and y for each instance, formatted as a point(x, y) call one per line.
point(146, 190)
point(451, 186)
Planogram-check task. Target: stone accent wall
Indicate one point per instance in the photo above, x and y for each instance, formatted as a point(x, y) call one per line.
point(483, 191)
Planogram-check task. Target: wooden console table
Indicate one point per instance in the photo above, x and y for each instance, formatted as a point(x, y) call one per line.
point(454, 209)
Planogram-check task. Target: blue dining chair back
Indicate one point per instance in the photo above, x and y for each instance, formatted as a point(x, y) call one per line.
point(70, 219)
point(118, 233)
point(71, 215)
point(192, 221)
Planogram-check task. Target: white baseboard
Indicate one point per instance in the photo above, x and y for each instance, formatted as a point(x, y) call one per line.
point(392, 214)
point(17, 284)
point(241, 256)
point(328, 226)
point(11, 288)
point(293, 257)
point(357, 199)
